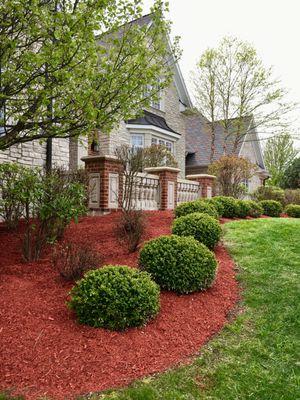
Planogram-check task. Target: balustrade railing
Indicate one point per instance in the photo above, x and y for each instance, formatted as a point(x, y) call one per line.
point(187, 190)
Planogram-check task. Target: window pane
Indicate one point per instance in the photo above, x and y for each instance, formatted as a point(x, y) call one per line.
point(137, 141)
point(154, 140)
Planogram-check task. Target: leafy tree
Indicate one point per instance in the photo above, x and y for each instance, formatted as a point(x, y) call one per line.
point(291, 179)
point(234, 90)
point(58, 80)
point(279, 153)
point(231, 173)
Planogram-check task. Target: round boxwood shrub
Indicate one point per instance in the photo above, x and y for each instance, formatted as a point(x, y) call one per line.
point(202, 227)
point(255, 209)
point(196, 206)
point(243, 208)
point(293, 210)
point(181, 264)
point(217, 204)
point(272, 208)
point(230, 206)
point(115, 297)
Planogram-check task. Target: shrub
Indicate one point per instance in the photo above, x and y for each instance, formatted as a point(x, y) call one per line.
point(291, 179)
point(269, 193)
point(255, 209)
point(72, 260)
point(217, 204)
point(292, 196)
point(271, 208)
point(130, 228)
point(230, 206)
point(293, 210)
point(202, 227)
point(181, 264)
point(243, 208)
point(196, 206)
point(11, 208)
point(115, 297)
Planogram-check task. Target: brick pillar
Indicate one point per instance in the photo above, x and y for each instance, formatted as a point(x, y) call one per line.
point(106, 182)
point(207, 183)
point(168, 185)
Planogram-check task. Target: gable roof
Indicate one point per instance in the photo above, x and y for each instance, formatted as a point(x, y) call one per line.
point(198, 141)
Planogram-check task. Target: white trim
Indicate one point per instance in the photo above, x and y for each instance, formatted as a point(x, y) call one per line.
point(161, 169)
point(201, 176)
point(151, 128)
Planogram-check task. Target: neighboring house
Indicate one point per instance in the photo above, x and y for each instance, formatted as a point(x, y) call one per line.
point(198, 148)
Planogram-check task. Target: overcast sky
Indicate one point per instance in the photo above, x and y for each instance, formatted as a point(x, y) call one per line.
point(272, 26)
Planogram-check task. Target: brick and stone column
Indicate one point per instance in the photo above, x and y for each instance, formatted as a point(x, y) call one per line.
point(106, 182)
point(207, 183)
point(168, 185)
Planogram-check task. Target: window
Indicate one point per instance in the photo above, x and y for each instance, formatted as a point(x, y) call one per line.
point(169, 145)
point(154, 103)
point(137, 141)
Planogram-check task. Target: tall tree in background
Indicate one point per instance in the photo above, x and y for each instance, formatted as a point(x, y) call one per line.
point(234, 90)
point(279, 153)
point(57, 80)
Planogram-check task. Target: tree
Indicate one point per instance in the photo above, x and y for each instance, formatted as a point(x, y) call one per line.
point(58, 80)
point(236, 92)
point(279, 153)
point(291, 179)
point(231, 173)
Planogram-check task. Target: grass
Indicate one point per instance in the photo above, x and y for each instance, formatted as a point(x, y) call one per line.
point(255, 357)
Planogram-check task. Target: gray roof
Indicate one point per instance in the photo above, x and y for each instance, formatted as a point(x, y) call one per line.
point(198, 140)
point(151, 119)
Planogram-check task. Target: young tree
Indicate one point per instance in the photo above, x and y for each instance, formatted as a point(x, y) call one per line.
point(231, 173)
point(58, 80)
point(279, 153)
point(234, 90)
point(291, 178)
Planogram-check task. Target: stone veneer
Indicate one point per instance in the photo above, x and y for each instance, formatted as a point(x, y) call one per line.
point(174, 118)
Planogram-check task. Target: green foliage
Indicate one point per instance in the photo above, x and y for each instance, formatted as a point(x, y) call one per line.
point(269, 193)
point(115, 297)
point(292, 196)
point(217, 204)
point(272, 208)
point(11, 208)
point(202, 227)
point(57, 80)
point(255, 209)
point(243, 208)
point(279, 153)
point(293, 210)
point(196, 206)
point(181, 264)
point(230, 206)
point(291, 179)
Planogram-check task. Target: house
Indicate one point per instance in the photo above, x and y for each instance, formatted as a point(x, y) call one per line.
point(198, 147)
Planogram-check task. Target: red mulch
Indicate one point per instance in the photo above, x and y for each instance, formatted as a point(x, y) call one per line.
point(45, 352)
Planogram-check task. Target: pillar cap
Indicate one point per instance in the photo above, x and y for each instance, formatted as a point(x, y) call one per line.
point(197, 176)
point(162, 169)
point(100, 157)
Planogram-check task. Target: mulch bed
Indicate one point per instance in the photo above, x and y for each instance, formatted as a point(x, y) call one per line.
point(45, 352)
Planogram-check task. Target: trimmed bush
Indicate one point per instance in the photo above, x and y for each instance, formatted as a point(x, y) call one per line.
point(196, 206)
point(217, 204)
point(272, 208)
point(255, 209)
point(293, 210)
point(202, 227)
point(292, 196)
point(115, 297)
point(181, 264)
point(243, 208)
point(269, 193)
point(230, 206)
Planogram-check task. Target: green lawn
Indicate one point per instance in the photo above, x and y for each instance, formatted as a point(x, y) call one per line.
point(255, 357)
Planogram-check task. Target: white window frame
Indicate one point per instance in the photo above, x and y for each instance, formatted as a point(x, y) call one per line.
point(157, 140)
point(134, 135)
point(156, 104)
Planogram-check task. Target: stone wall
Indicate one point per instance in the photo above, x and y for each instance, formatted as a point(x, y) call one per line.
point(174, 118)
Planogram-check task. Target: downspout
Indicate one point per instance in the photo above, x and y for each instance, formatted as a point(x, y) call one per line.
point(49, 154)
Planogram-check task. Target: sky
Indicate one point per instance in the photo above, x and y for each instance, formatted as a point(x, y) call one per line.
point(272, 26)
